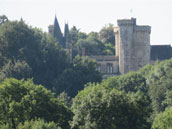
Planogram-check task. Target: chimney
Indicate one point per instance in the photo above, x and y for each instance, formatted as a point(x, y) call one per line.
point(83, 51)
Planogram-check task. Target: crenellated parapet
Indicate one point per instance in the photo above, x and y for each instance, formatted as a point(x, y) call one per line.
point(142, 29)
point(127, 22)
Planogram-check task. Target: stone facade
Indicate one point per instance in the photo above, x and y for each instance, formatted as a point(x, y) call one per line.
point(132, 45)
point(107, 65)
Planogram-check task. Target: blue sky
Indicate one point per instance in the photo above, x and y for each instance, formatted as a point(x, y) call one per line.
point(92, 15)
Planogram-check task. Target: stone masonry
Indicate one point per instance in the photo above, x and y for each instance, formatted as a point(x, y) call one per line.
point(132, 45)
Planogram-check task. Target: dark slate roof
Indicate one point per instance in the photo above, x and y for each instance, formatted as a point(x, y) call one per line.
point(66, 35)
point(57, 32)
point(161, 52)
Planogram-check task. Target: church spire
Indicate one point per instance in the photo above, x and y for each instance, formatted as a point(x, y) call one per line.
point(57, 32)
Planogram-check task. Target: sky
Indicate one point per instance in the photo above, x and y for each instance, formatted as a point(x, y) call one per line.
point(92, 15)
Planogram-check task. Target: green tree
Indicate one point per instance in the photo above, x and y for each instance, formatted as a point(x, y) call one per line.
point(22, 100)
point(160, 85)
point(73, 79)
point(109, 49)
point(34, 124)
point(38, 124)
point(41, 52)
point(107, 34)
point(92, 45)
point(3, 60)
point(163, 120)
point(131, 82)
point(17, 69)
point(97, 107)
point(75, 34)
point(91, 42)
point(3, 19)
point(28, 52)
point(65, 99)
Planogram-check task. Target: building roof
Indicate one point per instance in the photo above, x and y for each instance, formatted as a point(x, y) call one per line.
point(161, 52)
point(57, 32)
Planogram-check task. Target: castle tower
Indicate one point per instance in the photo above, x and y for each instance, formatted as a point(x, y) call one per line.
point(132, 45)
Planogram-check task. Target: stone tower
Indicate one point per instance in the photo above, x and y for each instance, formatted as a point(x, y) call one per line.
point(132, 45)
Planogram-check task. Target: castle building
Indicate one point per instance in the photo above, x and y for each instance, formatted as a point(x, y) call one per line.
point(133, 49)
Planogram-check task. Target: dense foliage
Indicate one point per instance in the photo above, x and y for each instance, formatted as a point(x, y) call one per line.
point(22, 100)
point(31, 52)
point(94, 43)
point(73, 79)
point(27, 52)
point(163, 120)
point(34, 124)
point(99, 108)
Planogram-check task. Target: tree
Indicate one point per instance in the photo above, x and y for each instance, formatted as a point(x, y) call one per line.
point(34, 124)
point(73, 79)
point(17, 69)
point(22, 100)
point(65, 99)
point(163, 120)
point(28, 52)
point(97, 107)
point(41, 52)
point(91, 46)
point(109, 49)
point(38, 124)
point(107, 34)
point(160, 85)
point(91, 42)
point(94, 46)
point(76, 35)
point(3, 19)
point(130, 82)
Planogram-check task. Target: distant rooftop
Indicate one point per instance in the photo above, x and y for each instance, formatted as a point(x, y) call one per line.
point(161, 52)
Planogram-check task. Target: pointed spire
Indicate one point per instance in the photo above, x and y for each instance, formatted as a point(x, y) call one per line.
point(66, 35)
point(57, 32)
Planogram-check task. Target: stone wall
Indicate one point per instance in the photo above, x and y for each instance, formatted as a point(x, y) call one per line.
point(140, 55)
